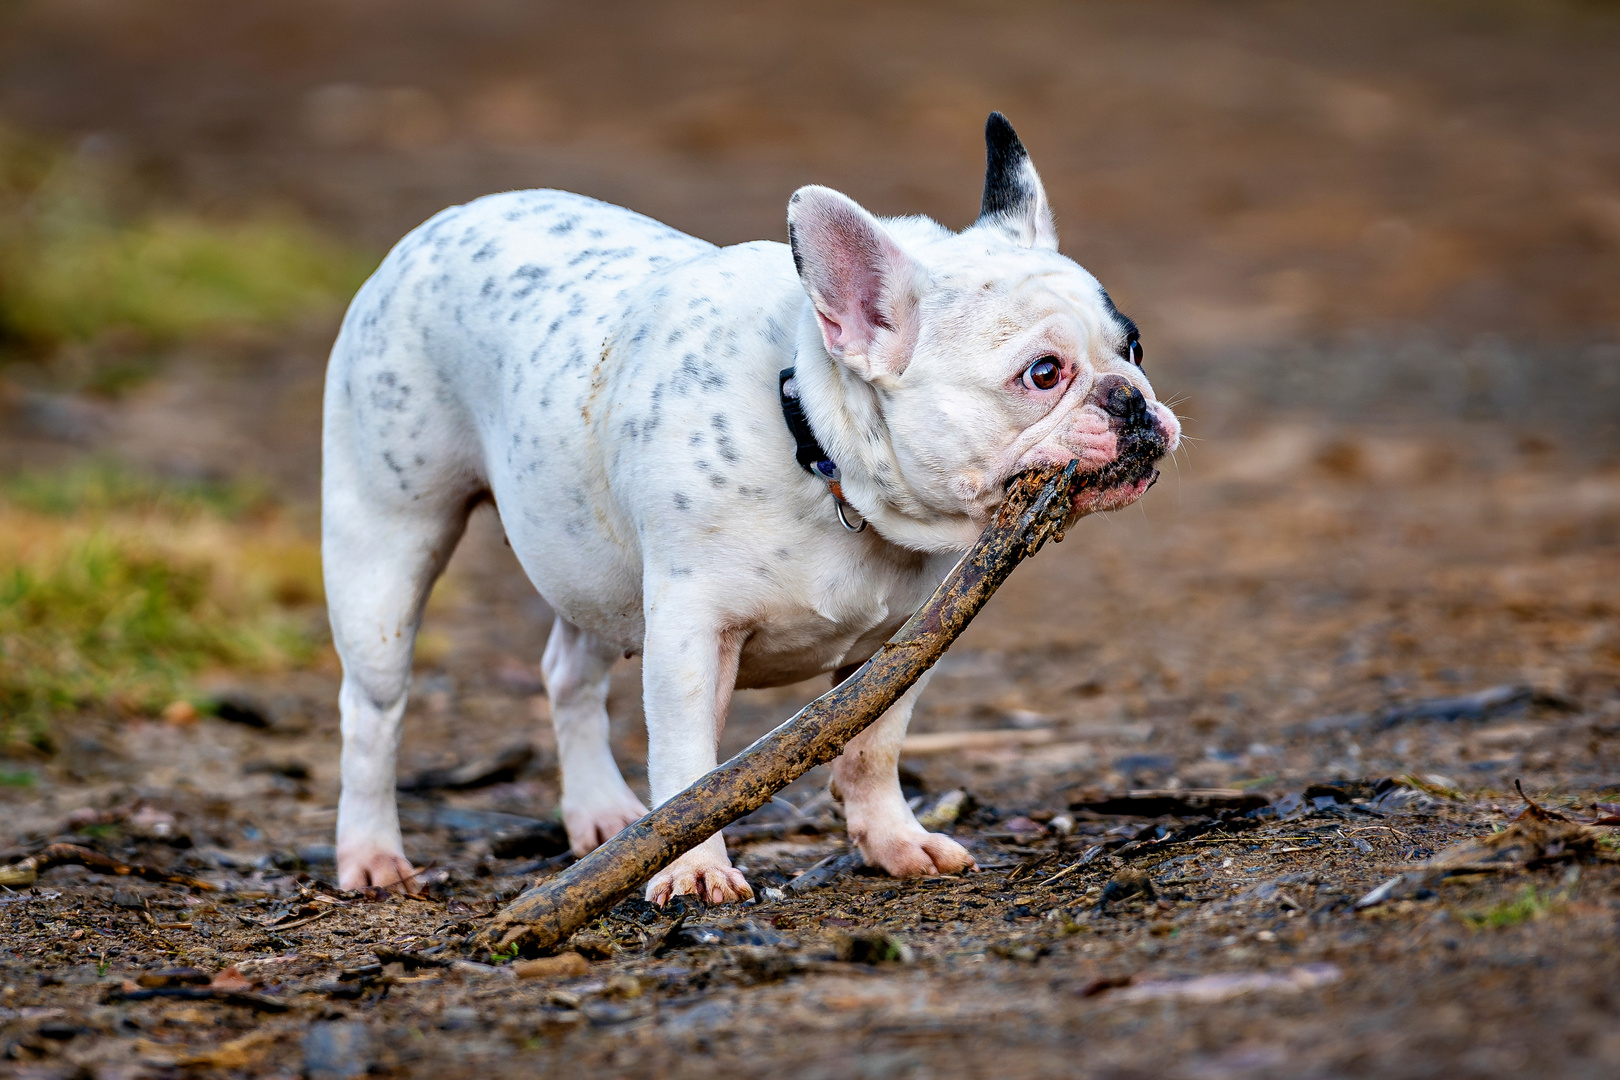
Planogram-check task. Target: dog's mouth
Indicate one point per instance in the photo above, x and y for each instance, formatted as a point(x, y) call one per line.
point(1125, 479)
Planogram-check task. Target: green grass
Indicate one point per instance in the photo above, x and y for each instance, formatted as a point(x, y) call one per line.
point(1527, 905)
point(167, 278)
point(107, 622)
point(74, 268)
point(102, 487)
point(118, 589)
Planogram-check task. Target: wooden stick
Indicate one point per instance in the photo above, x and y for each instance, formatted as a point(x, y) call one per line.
point(28, 870)
point(1038, 507)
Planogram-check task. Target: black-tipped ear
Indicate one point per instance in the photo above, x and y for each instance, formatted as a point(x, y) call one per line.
point(1004, 158)
point(1014, 199)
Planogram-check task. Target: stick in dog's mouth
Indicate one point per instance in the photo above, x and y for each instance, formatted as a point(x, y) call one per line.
point(1121, 481)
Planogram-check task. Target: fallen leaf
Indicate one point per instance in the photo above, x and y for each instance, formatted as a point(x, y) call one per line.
point(231, 979)
point(566, 965)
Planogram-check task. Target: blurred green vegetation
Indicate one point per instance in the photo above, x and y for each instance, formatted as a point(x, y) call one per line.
point(100, 487)
point(1528, 904)
point(118, 589)
point(74, 268)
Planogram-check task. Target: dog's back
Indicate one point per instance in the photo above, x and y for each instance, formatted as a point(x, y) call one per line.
point(505, 298)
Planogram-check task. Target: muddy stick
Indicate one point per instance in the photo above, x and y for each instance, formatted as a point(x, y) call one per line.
point(27, 871)
point(1037, 508)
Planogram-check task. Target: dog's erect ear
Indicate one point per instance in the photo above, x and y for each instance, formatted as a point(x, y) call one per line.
point(864, 287)
point(1014, 200)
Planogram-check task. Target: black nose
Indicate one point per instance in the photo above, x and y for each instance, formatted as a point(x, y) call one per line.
point(1125, 401)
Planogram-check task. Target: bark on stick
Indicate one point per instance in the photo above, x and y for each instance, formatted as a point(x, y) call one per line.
point(1037, 508)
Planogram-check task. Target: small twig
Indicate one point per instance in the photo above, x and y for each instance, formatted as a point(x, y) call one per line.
point(773, 830)
point(1242, 840)
point(1072, 867)
point(301, 922)
point(258, 1002)
point(27, 871)
point(1030, 867)
point(794, 810)
point(1535, 810)
point(1386, 828)
point(276, 928)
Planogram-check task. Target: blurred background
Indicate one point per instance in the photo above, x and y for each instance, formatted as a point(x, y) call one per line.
point(1374, 250)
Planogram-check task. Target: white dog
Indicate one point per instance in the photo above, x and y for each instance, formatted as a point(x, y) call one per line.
point(621, 391)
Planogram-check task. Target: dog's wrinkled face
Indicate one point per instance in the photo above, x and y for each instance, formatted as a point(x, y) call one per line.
point(988, 351)
point(1026, 364)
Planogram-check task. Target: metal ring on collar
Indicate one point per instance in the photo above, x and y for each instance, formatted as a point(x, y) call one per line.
point(838, 504)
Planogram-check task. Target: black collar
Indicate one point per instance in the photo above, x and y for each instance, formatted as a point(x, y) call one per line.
point(811, 456)
point(808, 451)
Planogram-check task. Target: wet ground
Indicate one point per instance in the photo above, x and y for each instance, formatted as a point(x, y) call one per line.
point(1369, 525)
point(1257, 631)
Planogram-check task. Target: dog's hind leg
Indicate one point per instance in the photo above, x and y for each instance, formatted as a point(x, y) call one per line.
point(381, 552)
point(596, 803)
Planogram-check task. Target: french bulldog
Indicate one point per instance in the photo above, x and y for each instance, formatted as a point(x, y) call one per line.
point(747, 464)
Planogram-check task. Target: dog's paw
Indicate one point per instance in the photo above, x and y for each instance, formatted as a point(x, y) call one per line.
point(916, 854)
point(374, 867)
point(590, 825)
point(717, 882)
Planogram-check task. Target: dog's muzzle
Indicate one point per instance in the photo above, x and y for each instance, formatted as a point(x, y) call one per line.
point(1119, 398)
point(1142, 441)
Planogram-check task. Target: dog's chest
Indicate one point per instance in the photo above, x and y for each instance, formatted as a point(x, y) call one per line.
point(835, 617)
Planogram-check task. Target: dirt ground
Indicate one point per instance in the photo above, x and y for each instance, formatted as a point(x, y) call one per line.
point(1379, 249)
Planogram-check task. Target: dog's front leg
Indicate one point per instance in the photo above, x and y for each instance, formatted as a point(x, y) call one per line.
point(689, 670)
point(866, 777)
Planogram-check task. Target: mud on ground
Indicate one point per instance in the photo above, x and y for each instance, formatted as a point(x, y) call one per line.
point(1195, 643)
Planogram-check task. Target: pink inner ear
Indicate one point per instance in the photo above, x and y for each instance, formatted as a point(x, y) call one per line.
point(851, 262)
point(832, 333)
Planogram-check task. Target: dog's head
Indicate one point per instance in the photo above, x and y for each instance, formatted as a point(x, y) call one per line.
point(961, 359)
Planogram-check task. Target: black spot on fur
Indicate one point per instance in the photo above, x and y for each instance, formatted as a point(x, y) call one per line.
point(389, 394)
point(532, 277)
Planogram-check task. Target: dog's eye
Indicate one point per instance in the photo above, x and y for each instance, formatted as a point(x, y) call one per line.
point(1043, 374)
point(1133, 351)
